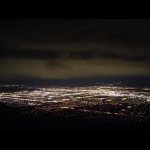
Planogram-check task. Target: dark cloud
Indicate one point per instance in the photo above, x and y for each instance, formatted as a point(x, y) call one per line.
point(30, 54)
point(124, 31)
point(66, 48)
point(82, 54)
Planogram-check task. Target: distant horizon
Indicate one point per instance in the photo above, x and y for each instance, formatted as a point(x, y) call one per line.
point(138, 81)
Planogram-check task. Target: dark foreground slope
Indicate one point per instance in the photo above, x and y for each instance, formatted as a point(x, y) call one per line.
point(14, 119)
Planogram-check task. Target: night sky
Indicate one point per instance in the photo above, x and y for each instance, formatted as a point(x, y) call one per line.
point(74, 48)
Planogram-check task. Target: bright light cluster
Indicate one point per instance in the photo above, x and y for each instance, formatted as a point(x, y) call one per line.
point(70, 97)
